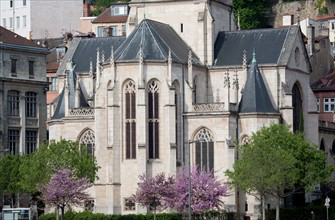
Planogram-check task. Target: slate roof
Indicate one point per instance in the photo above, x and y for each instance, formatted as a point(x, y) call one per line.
point(82, 50)
point(229, 46)
point(156, 39)
point(255, 97)
point(60, 108)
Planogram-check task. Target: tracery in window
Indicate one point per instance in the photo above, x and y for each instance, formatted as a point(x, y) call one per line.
point(130, 119)
point(88, 139)
point(153, 119)
point(204, 150)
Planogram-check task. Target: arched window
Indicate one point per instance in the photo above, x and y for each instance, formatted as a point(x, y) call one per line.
point(13, 103)
point(204, 150)
point(130, 119)
point(88, 139)
point(153, 119)
point(298, 115)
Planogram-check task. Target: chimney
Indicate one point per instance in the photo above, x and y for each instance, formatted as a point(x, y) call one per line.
point(310, 40)
point(86, 10)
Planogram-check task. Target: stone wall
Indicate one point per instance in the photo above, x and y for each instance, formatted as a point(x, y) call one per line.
point(299, 9)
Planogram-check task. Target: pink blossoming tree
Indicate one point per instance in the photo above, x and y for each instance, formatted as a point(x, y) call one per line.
point(161, 192)
point(206, 192)
point(153, 192)
point(62, 190)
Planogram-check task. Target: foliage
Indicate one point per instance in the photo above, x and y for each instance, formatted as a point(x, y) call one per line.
point(276, 160)
point(37, 168)
point(99, 216)
point(202, 198)
point(153, 192)
point(252, 13)
point(63, 190)
point(10, 176)
point(102, 5)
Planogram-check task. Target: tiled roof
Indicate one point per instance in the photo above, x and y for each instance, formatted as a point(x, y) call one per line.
point(9, 37)
point(106, 17)
point(326, 83)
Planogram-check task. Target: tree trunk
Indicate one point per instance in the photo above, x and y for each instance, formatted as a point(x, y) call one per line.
point(277, 207)
point(57, 213)
point(63, 208)
point(155, 213)
point(263, 207)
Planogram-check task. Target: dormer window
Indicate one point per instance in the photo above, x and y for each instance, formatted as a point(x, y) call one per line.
point(119, 10)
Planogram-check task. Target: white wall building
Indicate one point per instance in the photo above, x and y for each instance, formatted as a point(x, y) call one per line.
point(41, 19)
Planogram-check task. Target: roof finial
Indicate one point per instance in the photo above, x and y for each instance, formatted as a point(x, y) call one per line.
point(254, 56)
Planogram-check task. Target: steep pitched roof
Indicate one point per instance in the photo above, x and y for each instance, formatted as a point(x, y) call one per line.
point(255, 98)
point(229, 46)
point(60, 108)
point(82, 50)
point(156, 39)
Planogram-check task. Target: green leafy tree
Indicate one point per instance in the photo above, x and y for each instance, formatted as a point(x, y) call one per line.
point(10, 177)
point(278, 162)
point(251, 14)
point(102, 5)
point(37, 168)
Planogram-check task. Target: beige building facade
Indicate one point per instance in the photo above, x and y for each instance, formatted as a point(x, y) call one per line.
point(173, 81)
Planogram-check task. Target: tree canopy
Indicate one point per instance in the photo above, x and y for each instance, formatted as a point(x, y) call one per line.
point(173, 193)
point(277, 161)
point(251, 14)
point(63, 190)
point(37, 168)
point(102, 5)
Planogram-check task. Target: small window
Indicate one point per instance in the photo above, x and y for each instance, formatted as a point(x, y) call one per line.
point(13, 67)
point(11, 3)
point(318, 104)
point(123, 30)
point(31, 69)
point(328, 104)
point(11, 22)
point(31, 141)
point(17, 22)
point(24, 2)
point(54, 84)
point(24, 21)
point(4, 22)
point(181, 27)
point(120, 10)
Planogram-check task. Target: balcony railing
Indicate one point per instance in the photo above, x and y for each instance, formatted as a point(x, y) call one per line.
point(208, 107)
point(81, 112)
